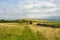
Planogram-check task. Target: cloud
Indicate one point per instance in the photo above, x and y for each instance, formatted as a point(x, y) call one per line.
point(1, 11)
point(33, 6)
point(31, 9)
point(42, 16)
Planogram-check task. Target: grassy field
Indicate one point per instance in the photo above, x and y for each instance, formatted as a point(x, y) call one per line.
point(16, 31)
point(55, 23)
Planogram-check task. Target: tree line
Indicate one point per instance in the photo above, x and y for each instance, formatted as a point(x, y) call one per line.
point(16, 21)
point(8, 21)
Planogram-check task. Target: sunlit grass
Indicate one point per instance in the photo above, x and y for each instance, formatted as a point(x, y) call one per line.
point(16, 31)
point(48, 32)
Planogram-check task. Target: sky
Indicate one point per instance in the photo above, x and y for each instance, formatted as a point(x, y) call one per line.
point(40, 9)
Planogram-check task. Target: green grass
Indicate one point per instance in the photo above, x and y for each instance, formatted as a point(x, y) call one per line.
point(55, 23)
point(19, 32)
point(27, 34)
point(16, 31)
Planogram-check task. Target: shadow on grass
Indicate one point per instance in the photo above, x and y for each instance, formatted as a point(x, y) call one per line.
point(46, 25)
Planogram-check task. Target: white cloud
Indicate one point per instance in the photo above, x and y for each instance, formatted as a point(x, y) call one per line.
point(32, 9)
point(36, 16)
point(38, 6)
